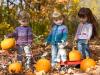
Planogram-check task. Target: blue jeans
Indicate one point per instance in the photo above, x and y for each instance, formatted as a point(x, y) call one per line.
point(20, 51)
point(24, 49)
point(54, 52)
point(83, 47)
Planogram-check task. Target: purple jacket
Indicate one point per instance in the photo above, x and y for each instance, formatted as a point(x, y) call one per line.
point(23, 35)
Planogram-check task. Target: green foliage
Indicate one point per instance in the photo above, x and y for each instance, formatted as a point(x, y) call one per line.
point(38, 39)
point(5, 28)
point(40, 16)
point(40, 27)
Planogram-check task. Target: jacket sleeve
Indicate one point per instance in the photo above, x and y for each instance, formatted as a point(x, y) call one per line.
point(30, 36)
point(65, 34)
point(14, 34)
point(89, 34)
point(77, 31)
point(48, 40)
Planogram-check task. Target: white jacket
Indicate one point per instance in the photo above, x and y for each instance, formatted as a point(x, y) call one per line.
point(84, 31)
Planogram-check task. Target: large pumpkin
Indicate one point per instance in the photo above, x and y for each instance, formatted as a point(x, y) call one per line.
point(7, 43)
point(74, 55)
point(15, 67)
point(43, 65)
point(87, 63)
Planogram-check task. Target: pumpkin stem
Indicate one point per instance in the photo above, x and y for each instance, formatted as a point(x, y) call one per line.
point(87, 57)
point(74, 48)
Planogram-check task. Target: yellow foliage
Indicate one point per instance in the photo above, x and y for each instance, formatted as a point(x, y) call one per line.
point(4, 25)
point(94, 5)
point(5, 28)
point(76, 1)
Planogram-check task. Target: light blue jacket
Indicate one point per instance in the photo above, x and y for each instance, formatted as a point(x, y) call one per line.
point(58, 33)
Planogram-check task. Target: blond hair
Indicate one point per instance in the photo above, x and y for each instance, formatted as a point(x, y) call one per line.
point(23, 15)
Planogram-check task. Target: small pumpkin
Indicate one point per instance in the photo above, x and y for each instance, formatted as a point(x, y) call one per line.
point(43, 64)
point(87, 63)
point(74, 55)
point(15, 67)
point(7, 43)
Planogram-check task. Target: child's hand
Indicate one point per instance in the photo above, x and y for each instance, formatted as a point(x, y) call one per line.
point(75, 39)
point(67, 43)
point(62, 41)
point(62, 45)
point(29, 45)
point(87, 41)
point(5, 37)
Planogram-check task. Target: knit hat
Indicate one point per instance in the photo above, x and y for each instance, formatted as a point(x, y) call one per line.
point(56, 14)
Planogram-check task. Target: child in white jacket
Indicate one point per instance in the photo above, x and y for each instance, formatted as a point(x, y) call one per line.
point(86, 30)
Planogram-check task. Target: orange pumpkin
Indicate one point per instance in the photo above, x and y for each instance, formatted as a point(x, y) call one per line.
point(15, 67)
point(7, 43)
point(87, 63)
point(74, 55)
point(43, 65)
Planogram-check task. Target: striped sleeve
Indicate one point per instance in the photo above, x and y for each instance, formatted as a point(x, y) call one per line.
point(30, 36)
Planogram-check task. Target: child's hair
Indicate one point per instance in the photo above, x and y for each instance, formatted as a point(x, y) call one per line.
point(86, 12)
point(23, 15)
point(58, 16)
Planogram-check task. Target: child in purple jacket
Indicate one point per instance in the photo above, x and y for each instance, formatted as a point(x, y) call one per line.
point(23, 36)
